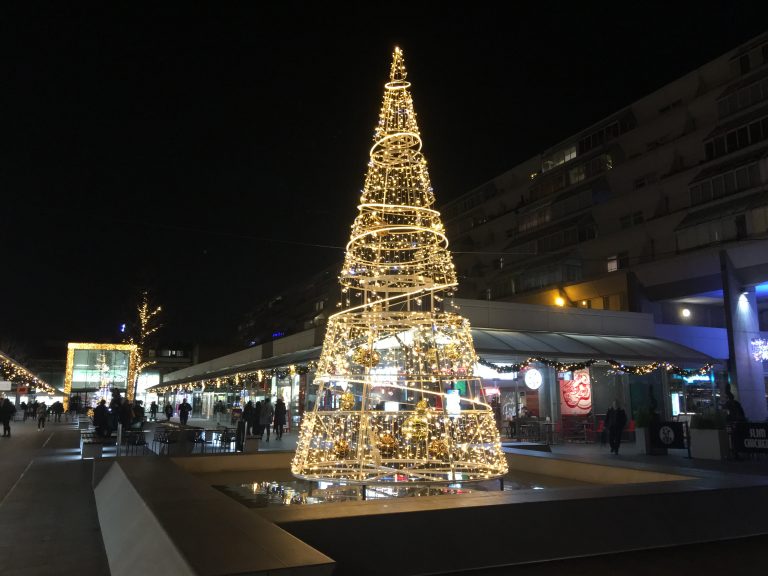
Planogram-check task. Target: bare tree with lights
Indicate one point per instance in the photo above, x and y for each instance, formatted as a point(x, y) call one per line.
point(148, 316)
point(396, 398)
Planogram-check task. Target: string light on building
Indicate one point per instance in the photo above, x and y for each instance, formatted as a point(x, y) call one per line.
point(12, 371)
point(393, 354)
point(615, 365)
point(759, 349)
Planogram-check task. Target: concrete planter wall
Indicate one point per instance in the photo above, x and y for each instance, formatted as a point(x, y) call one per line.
point(709, 444)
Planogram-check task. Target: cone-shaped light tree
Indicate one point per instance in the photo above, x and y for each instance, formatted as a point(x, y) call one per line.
point(396, 398)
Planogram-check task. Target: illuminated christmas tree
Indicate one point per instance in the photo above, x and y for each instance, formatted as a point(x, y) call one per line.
point(396, 398)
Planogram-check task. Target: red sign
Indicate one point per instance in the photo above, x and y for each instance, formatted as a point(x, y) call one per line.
point(21, 390)
point(576, 394)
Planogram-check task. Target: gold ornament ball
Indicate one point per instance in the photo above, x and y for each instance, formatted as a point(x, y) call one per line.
point(366, 357)
point(387, 444)
point(438, 448)
point(416, 427)
point(347, 401)
point(452, 352)
point(340, 448)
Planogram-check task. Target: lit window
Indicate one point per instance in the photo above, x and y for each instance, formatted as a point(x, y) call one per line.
point(613, 263)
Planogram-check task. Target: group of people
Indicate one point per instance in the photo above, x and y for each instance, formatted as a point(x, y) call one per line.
point(184, 410)
point(261, 416)
point(38, 410)
point(120, 411)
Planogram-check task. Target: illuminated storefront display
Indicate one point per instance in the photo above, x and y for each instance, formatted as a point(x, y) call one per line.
point(94, 370)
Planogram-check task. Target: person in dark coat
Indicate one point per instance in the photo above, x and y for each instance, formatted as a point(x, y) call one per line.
point(101, 419)
point(153, 411)
point(138, 414)
point(42, 416)
point(184, 409)
point(168, 410)
point(7, 410)
point(57, 409)
point(733, 408)
point(280, 414)
point(248, 418)
point(125, 414)
point(115, 404)
point(258, 428)
point(615, 420)
point(265, 417)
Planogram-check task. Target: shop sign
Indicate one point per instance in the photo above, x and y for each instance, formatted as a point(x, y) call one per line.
point(22, 390)
point(5, 385)
point(668, 435)
point(749, 437)
point(533, 378)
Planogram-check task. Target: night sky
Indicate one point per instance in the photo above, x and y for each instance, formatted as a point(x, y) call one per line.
point(204, 151)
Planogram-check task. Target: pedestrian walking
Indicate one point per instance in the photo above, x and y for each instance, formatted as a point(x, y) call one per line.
point(280, 414)
point(57, 409)
point(153, 411)
point(168, 410)
point(42, 416)
point(248, 418)
point(7, 410)
point(219, 409)
point(267, 413)
point(615, 420)
point(101, 419)
point(138, 414)
point(23, 408)
point(184, 410)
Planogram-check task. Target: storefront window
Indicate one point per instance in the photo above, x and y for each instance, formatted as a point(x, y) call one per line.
point(645, 389)
point(94, 370)
point(607, 386)
point(691, 394)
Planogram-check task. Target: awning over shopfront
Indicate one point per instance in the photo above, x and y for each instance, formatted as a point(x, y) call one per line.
point(497, 344)
point(283, 360)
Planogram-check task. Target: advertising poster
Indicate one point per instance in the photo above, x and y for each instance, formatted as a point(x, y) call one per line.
point(576, 394)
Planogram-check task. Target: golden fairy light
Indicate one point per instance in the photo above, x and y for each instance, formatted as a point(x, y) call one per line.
point(12, 371)
point(130, 349)
point(396, 398)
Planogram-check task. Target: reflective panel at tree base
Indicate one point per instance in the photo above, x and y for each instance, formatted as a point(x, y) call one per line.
point(397, 400)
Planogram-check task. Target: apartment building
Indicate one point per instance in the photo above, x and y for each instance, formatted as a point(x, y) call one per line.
point(661, 207)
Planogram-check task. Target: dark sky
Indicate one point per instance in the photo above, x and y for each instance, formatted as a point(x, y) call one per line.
point(178, 147)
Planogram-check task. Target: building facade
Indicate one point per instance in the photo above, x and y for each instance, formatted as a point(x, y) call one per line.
point(562, 365)
point(661, 207)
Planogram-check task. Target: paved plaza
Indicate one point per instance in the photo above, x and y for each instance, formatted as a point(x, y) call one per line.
point(49, 523)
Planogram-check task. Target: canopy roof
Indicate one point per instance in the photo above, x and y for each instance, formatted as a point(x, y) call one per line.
point(559, 345)
point(498, 345)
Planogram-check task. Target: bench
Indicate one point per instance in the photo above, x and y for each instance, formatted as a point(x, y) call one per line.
point(92, 445)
